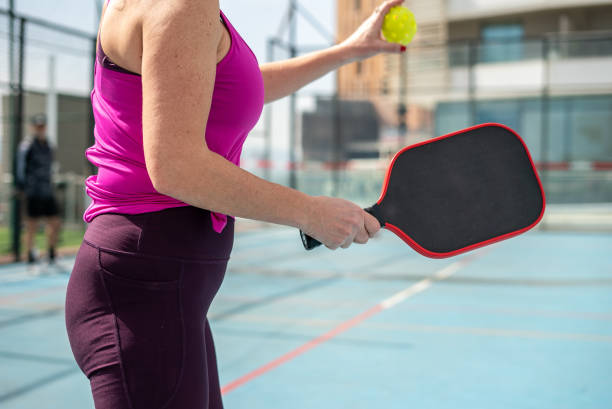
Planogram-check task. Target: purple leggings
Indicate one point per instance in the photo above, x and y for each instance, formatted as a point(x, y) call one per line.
point(136, 308)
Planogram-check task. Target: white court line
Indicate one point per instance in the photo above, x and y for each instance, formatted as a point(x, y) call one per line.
point(424, 284)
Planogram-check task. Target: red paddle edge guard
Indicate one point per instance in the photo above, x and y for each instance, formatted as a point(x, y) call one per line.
point(433, 254)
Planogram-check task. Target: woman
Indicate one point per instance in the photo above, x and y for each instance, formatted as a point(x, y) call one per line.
point(176, 92)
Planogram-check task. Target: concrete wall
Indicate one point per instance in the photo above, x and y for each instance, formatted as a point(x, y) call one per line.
point(73, 134)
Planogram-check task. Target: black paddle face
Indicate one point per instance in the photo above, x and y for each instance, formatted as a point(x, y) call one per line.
point(461, 191)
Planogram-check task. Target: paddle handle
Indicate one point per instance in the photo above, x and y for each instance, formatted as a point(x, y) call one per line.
point(309, 242)
point(312, 243)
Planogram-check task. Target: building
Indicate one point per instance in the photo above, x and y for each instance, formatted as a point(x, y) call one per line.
point(541, 67)
point(379, 76)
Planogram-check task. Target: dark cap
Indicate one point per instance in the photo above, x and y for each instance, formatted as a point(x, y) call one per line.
point(38, 119)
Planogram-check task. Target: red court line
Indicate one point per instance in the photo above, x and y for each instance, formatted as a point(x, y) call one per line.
point(301, 349)
point(346, 325)
point(602, 165)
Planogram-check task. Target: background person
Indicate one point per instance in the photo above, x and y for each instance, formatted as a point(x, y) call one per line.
point(35, 166)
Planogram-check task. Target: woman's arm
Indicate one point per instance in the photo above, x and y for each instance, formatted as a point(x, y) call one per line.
point(282, 78)
point(180, 40)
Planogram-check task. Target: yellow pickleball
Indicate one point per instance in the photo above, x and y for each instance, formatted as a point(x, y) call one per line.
point(399, 25)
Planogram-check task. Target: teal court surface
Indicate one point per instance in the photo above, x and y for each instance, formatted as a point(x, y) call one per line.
point(525, 323)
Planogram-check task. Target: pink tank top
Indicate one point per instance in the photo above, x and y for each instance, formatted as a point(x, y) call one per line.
point(122, 184)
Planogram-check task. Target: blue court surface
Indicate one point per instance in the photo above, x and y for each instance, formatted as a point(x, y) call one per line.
point(525, 323)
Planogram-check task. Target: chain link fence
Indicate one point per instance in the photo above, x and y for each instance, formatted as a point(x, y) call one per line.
point(45, 68)
point(555, 91)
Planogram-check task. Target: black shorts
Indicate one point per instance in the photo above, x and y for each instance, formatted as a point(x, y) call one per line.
point(41, 206)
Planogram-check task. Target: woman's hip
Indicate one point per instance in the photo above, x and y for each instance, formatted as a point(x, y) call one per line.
point(175, 233)
point(142, 313)
point(143, 277)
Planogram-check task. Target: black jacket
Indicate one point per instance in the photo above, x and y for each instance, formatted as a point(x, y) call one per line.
point(34, 167)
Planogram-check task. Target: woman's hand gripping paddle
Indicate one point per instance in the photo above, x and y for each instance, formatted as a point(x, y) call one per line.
point(459, 191)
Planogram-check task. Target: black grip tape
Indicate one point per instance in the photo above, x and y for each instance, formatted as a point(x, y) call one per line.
point(309, 242)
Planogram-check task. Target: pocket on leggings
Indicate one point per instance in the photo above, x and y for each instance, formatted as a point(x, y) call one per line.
point(140, 270)
point(145, 296)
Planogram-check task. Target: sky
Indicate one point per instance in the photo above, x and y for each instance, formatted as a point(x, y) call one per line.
point(255, 20)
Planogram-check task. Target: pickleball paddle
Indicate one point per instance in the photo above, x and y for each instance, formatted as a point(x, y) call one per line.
point(460, 191)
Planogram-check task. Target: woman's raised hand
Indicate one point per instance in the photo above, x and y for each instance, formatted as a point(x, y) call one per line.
point(367, 40)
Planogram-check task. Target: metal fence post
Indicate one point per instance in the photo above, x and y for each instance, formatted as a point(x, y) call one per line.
point(17, 133)
point(545, 115)
point(338, 155)
point(292, 98)
point(11, 27)
point(90, 117)
point(401, 106)
point(472, 59)
point(268, 122)
point(545, 106)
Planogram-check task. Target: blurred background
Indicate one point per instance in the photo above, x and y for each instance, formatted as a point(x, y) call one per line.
point(540, 67)
point(522, 324)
